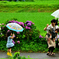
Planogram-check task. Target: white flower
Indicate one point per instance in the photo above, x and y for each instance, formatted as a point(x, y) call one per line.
point(1, 33)
point(0, 28)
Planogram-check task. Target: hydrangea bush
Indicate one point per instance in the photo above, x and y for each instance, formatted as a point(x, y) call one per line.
point(30, 32)
point(29, 40)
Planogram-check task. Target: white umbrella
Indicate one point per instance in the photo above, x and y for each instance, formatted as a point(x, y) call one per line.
point(56, 14)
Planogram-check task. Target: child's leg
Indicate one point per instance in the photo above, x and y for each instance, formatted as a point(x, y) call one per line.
point(48, 51)
point(52, 52)
point(52, 49)
point(10, 50)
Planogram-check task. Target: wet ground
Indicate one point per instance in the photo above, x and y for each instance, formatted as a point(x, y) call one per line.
point(33, 55)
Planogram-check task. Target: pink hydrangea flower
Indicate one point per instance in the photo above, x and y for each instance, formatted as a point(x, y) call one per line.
point(32, 23)
point(2, 23)
point(40, 36)
point(21, 23)
point(18, 32)
point(2, 27)
point(8, 30)
point(27, 27)
point(18, 42)
point(28, 24)
point(13, 41)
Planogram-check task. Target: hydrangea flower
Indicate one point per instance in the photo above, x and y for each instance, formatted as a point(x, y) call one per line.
point(28, 24)
point(13, 41)
point(18, 32)
point(27, 27)
point(21, 23)
point(32, 23)
point(40, 36)
point(13, 20)
point(10, 21)
point(2, 27)
point(8, 30)
point(2, 23)
point(18, 42)
point(27, 21)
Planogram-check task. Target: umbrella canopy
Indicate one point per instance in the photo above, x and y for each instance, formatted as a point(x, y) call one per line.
point(14, 27)
point(56, 14)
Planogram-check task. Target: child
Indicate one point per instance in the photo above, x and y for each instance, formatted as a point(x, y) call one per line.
point(52, 44)
point(9, 44)
point(52, 27)
point(53, 34)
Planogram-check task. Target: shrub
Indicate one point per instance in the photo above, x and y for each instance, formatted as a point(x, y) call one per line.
point(17, 55)
point(29, 32)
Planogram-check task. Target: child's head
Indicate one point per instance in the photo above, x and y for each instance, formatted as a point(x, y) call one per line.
point(9, 33)
point(57, 30)
point(53, 22)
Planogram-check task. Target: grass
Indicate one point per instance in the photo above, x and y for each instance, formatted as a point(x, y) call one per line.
point(41, 6)
point(3, 58)
point(39, 18)
point(27, 3)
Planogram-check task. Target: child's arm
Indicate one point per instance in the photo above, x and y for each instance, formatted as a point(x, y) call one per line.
point(56, 37)
point(46, 27)
point(49, 39)
point(12, 36)
point(54, 40)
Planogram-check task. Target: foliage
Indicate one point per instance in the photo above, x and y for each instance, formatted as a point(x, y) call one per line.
point(25, 46)
point(3, 45)
point(29, 38)
point(29, 32)
point(17, 55)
